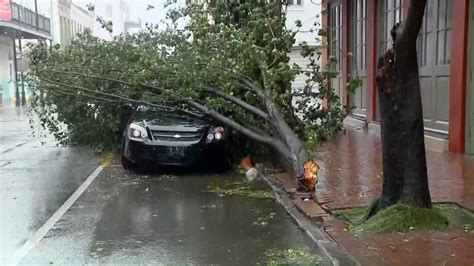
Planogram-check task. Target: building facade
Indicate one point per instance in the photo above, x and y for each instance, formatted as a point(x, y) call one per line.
point(359, 33)
point(116, 11)
point(72, 19)
point(21, 21)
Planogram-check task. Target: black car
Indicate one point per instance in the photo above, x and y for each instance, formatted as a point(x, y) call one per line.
point(154, 136)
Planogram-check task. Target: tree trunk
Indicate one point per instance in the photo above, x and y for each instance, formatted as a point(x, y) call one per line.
point(405, 178)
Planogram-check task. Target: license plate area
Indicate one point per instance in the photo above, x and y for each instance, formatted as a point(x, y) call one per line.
point(175, 151)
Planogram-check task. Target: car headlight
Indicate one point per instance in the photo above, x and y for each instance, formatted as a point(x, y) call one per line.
point(210, 137)
point(215, 133)
point(137, 132)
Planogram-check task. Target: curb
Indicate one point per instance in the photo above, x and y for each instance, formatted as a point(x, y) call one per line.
point(336, 253)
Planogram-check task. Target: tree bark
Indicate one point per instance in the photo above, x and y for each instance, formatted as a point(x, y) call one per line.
point(405, 178)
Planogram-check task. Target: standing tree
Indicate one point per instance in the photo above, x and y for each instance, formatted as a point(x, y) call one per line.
point(232, 68)
point(405, 177)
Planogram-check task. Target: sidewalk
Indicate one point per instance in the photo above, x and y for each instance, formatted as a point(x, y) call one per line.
point(14, 127)
point(351, 176)
point(351, 172)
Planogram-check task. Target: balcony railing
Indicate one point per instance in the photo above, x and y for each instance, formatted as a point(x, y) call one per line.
point(29, 18)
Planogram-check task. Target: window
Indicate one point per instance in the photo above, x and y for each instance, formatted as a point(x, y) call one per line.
point(295, 2)
point(359, 32)
point(392, 14)
point(357, 46)
point(434, 40)
point(335, 35)
point(335, 44)
point(434, 58)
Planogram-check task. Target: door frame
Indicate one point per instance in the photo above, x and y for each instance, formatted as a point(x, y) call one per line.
point(470, 83)
point(355, 68)
point(339, 30)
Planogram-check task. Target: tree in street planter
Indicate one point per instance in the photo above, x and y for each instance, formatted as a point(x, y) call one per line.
point(235, 73)
point(405, 177)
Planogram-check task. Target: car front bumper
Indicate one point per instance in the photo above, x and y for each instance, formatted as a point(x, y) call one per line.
point(182, 155)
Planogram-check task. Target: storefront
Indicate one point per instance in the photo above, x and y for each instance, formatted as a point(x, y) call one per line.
point(359, 32)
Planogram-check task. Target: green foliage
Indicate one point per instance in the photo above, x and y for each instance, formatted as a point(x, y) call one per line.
point(403, 218)
point(83, 91)
point(354, 83)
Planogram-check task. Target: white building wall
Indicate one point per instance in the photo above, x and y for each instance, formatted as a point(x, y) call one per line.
point(81, 18)
point(68, 19)
point(116, 11)
point(309, 13)
point(55, 22)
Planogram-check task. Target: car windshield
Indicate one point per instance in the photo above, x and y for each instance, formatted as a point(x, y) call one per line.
point(153, 112)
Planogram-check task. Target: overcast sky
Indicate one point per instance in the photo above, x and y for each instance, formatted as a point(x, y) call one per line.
point(138, 9)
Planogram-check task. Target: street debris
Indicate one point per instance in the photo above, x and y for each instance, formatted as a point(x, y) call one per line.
point(264, 220)
point(248, 166)
point(169, 177)
point(242, 190)
point(298, 256)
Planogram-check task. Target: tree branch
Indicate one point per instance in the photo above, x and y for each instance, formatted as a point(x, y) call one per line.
point(126, 99)
point(113, 80)
point(239, 102)
point(281, 146)
point(56, 89)
point(274, 142)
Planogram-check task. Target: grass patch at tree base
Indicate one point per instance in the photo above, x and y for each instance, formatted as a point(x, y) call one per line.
point(403, 218)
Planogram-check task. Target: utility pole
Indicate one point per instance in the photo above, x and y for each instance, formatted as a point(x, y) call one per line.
point(23, 94)
point(15, 69)
point(36, 11)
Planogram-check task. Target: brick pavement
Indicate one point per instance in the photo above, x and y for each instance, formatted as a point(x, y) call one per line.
point(351, 172)
point(351, 176)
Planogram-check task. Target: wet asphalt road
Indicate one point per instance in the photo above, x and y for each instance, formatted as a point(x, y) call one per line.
point(127, 218)
point(124, 217)
point(35, 179)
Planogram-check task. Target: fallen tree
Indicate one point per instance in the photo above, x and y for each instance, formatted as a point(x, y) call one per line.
point(236, 71)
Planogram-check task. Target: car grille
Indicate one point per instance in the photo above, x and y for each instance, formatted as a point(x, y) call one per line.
point(176, 136)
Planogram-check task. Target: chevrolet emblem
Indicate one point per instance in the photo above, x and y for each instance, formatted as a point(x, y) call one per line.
point(177, 136)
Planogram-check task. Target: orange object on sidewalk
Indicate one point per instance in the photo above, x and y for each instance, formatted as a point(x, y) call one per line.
point(310, 177)
point(247, 163)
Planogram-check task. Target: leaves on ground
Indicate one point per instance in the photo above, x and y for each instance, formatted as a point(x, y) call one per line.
point(298, 256)
point(264, 220)
point(168, 177)
point(241, 189)
point(212, 206)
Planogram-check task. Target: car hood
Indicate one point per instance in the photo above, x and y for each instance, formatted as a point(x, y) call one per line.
point(178, 123)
